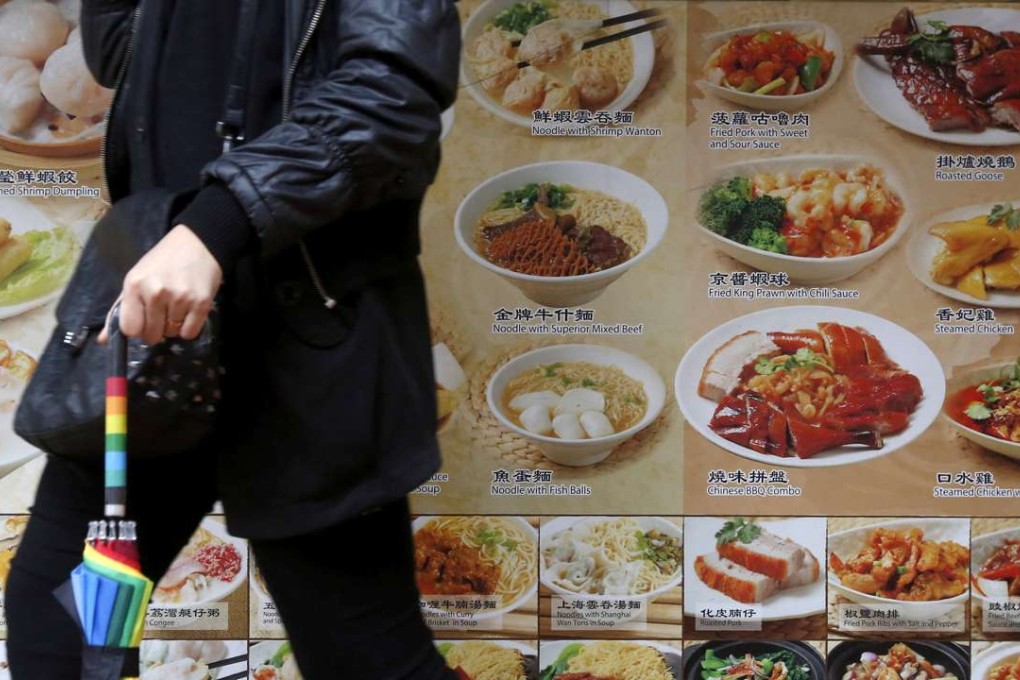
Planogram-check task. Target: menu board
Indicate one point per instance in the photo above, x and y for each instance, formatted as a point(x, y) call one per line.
point(724, 319)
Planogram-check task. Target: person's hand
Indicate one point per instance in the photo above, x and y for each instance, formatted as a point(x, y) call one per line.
point(170, 291)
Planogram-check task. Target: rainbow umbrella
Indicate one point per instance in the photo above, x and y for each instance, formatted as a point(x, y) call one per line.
point(107, 593)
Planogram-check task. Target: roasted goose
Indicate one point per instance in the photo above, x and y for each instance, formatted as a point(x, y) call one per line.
point(957, 77)
point(809, 391)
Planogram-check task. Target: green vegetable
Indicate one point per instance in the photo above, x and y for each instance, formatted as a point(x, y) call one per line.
point(549, 370)
point(810, 72)
point(749, 84)
point(494, 537)
point(978, 411)
point(737, 529)
point(764, 238)
point(662, 550)
point(714, 667)
point(53, 256)
point(769, 87)
point(901, 569)
point(1004, 213)
point(722, 205)
point(560, 665)
point(283, 652)
point(934, 46)
point(588, 382)
point(444, 648)
point(803, 357)
point(763, 212)
point(762, 36)
point(525, 198)
point(523, 16)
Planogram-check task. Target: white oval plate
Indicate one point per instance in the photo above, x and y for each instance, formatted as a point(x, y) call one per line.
point(848, 543)
point(878, 91)
point(561, 524)
point(219, 590)
point(775, 102)
point(419, 522)
point(923, 247)
point(809, 270)
point(793, 603)
point(902, 346)
point(643, 46)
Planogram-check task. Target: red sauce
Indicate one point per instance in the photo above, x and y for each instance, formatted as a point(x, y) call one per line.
point(220, 561)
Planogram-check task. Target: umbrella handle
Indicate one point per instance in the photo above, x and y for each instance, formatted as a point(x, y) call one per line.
point(116, 419)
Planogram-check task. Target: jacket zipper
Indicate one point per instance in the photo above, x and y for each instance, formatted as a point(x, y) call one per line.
point(288, 85)
point(121, 72)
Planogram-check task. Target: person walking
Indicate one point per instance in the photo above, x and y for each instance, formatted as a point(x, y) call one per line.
point(305, 235)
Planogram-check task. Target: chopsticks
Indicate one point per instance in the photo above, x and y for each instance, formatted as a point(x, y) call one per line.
point(235, 676)
point(616, 21)
point(606, 39)
point(228, 662)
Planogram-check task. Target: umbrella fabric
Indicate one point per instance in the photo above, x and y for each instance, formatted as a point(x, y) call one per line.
point(134, 613)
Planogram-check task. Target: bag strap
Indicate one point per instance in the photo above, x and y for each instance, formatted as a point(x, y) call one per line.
point(230, 127)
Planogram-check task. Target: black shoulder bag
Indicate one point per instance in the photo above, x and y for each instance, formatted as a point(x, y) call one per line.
point(173, 386)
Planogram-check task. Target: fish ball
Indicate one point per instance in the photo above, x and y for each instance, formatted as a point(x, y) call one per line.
point(568, 426)
point(546, 398)
point(535, 419)
point(32, 32)
point(67, 84)
point(581, 400)
point(596, 87)
point(596, 424)
point(20, 97)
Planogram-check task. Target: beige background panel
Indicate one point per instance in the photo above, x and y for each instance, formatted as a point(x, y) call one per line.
point(841, 124)
point(646, 479)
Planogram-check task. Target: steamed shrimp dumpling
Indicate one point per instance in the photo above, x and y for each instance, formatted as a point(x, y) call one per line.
point(496, 75)
point(597, 87)
point(546, 398)
point(546, 46)
point(32, 31)
point(580, 400)
point(568, 426)
point(20, 97)
point(561, 99)
point(535, 419)
point(67, 83)
point(526, 93)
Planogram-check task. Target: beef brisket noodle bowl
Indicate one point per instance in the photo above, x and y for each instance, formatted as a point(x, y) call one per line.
point(576, 402)
point(546, 35)
point(611, 556)
point(487, 557)
point(561, 231)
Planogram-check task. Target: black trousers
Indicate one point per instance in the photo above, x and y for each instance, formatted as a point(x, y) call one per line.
point(346, 594)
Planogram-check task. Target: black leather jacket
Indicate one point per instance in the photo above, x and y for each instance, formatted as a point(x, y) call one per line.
point(327, 412)
point(366, 84)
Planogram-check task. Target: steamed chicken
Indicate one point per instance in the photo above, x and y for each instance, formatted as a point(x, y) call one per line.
point(979, 253)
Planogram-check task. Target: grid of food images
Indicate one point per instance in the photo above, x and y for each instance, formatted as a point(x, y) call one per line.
point(724, 301)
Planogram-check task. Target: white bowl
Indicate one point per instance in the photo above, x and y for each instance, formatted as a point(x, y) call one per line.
point(903, 347)
point(809, 270)
point(848, 543)
point(923, 247)
point(879, 93)
point(987, 659)
point(977, 377)
point(578, 452)
point(642, 44)
point(564, 291)
point(764, 102)
point(981, 548)
point(561, 524)
point(522, 523)
point(791, 603)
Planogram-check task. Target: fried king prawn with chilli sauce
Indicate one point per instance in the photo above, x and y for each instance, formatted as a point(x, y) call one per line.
point(901, 565)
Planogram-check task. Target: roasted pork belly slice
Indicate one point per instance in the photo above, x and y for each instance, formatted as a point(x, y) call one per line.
point(800, 339)
point(1007, 113)
point(723, 369)
point(937, 94)
point(768, 554)
point(733, 580)
point(806, 575)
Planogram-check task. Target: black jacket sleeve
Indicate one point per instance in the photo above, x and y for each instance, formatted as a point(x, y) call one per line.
point(105, 33)
point(365, 134)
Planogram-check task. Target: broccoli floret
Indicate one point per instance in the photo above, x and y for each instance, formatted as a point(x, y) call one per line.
point(764, 212)
point(720, 206)
point(766, 238)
